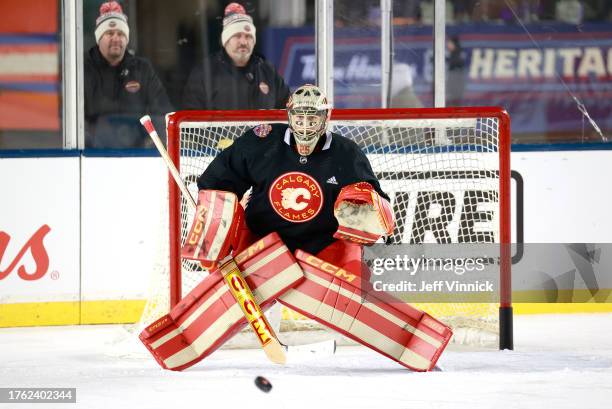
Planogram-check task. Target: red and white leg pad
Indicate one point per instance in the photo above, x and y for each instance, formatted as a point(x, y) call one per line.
point(335, 298)
point(209, 316)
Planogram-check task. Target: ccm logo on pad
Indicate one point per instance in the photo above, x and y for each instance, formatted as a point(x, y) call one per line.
point(296, 197)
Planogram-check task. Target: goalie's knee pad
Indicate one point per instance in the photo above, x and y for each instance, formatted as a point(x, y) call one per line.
point(336, 298)
point(209, 315)
point(347, 255)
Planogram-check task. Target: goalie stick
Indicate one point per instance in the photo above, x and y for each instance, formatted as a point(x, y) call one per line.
point(243, 295)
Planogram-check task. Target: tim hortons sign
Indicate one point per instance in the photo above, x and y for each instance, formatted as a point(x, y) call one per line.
point(36, 246)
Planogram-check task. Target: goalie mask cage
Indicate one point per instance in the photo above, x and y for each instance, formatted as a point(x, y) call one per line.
point(414, 152)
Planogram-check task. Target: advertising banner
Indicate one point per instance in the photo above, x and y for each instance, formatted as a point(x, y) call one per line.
point(39, 230)
point(535, 72)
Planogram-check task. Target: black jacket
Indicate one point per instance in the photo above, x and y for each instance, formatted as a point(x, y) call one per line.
point(264, 159)
point(116, 97)
point(256, 86)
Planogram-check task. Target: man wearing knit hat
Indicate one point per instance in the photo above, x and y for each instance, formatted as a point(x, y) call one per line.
point(235, 77)
point(119, 87)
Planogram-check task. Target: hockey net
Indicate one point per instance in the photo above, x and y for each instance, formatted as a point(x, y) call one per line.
point(424, 158)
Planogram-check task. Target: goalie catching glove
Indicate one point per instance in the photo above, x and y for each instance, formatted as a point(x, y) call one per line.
point(363, 215)
point(215, 229)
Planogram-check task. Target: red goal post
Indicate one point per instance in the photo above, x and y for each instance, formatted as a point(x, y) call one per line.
point(195, 137)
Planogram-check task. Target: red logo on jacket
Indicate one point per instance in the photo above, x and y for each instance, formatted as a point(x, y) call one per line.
point(264, 88)
point(296, 197)
point(262, 130)
point(132, 86)
point(39, 253)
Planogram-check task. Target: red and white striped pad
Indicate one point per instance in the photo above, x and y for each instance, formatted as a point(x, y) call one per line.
point(338, 299)
point(215, 226)
point(209, 316)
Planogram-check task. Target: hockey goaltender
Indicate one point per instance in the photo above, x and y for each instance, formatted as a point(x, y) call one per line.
point(315, 202)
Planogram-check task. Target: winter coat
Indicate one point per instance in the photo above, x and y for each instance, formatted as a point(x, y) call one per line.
point(116, 97)
point(218, 84)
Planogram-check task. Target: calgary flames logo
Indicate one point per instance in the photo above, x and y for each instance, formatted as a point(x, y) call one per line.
point(296, 197)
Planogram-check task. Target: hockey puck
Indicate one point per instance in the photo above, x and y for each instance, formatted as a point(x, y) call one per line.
point(263, 384)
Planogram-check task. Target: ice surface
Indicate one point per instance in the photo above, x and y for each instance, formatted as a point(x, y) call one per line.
point(560, 361)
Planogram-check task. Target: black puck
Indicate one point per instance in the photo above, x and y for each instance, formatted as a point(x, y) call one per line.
point(263, 384)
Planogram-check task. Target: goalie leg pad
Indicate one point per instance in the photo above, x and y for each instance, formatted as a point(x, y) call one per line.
point(377, 320)
point(209, 316)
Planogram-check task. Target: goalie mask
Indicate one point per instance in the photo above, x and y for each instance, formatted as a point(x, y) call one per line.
point(308, 112)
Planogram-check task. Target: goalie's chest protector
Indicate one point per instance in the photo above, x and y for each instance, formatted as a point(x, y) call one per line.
point(294, 195)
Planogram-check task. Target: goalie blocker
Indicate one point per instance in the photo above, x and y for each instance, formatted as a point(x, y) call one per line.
point(216, 228)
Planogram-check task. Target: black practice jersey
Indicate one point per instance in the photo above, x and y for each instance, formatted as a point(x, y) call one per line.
point(292, 195)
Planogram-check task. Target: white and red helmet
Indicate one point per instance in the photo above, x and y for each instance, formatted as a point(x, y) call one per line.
point(308, 112)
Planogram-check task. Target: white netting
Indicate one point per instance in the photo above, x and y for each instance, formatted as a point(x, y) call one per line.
point(441, 175)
